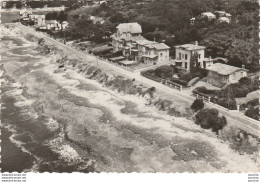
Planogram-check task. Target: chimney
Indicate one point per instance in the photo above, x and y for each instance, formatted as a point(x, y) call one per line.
point(196, 42)
point(210, 58)
point(243, 66)
point(154, 39)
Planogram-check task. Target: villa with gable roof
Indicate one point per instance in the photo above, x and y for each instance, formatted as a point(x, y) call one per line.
point(128, 39)
point(220, 74)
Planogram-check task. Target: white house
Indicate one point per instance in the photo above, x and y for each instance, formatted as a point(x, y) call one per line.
point(24, 14)
point(64, 25)
point(151, 52)
point(192, 21)
point(223, 14)
point(135, 47)
point(224, 19)
point(220, 74)
point(125, 32)
point(184, 53)
point(39, 20)
point(53, 25)
point(209, 15)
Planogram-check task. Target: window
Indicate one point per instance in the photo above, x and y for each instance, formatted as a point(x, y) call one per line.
point(186, 65)
point(161, 54)
point(179, 55)
point(186, 56)
point(199, 56)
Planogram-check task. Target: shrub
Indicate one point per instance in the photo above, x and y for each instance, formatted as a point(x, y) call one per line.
point(227, 103)
point(241, 89)
point(249, 104)
point(164, 71)
point(204, 90)
point(197, 105)
point(181, 82)
point(208, 118)
point(253, 113)
point(150, 76)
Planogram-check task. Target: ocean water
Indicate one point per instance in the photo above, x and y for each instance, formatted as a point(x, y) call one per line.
point(24, 138)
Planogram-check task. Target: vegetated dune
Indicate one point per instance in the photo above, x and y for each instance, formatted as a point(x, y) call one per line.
point(121, 125)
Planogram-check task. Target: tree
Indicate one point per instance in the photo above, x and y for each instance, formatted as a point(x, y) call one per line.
point(253, 113)
point(194, 63)
point(197, 105)
point(208, 118)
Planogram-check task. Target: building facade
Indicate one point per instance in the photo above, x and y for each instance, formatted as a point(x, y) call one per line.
point(126, 33)
point(39, 20)
point(129, 40)
point(220, 74)
point(184, 53)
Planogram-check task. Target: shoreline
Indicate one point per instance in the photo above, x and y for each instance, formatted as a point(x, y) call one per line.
point(111, 85)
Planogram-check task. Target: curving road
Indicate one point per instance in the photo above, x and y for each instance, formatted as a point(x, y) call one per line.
point(235, 118)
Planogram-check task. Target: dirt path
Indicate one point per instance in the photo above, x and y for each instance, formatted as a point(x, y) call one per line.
point(233, 118)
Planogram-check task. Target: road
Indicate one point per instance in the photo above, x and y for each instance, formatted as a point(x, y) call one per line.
point(234, 118)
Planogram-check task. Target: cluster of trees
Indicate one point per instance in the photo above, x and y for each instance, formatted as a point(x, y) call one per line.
point(59, 16)
point(209, 119)
point(169, 22)
point(252, 107)
point(197, 105)
point(13, 4)
point(240, 89)
point(235, 90)
point(167, 72)
point(226, 97)
point(72, 4)
point(253, 113)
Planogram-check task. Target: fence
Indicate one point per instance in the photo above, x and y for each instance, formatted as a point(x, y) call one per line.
point(116, 64)
point(173, 85)
point(203, 97)
point(163, 81)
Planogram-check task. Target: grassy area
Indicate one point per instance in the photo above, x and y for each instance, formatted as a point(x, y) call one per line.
point(176, 75)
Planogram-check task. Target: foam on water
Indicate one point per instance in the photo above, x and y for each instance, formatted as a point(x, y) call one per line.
point(65, 151)
point(52, 124)
point(18, 143)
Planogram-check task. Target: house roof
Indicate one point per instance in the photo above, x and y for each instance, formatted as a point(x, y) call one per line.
point(190, 47)
point(160, 46)
point(224, 19)
point(129, 27)
point(208, 14)
point(224, 69)
point(37, 16)
point(150, 56)
point(143, 42)
point(133, 38)
point(51, 21)
point(22, 11)
point(153, 45)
